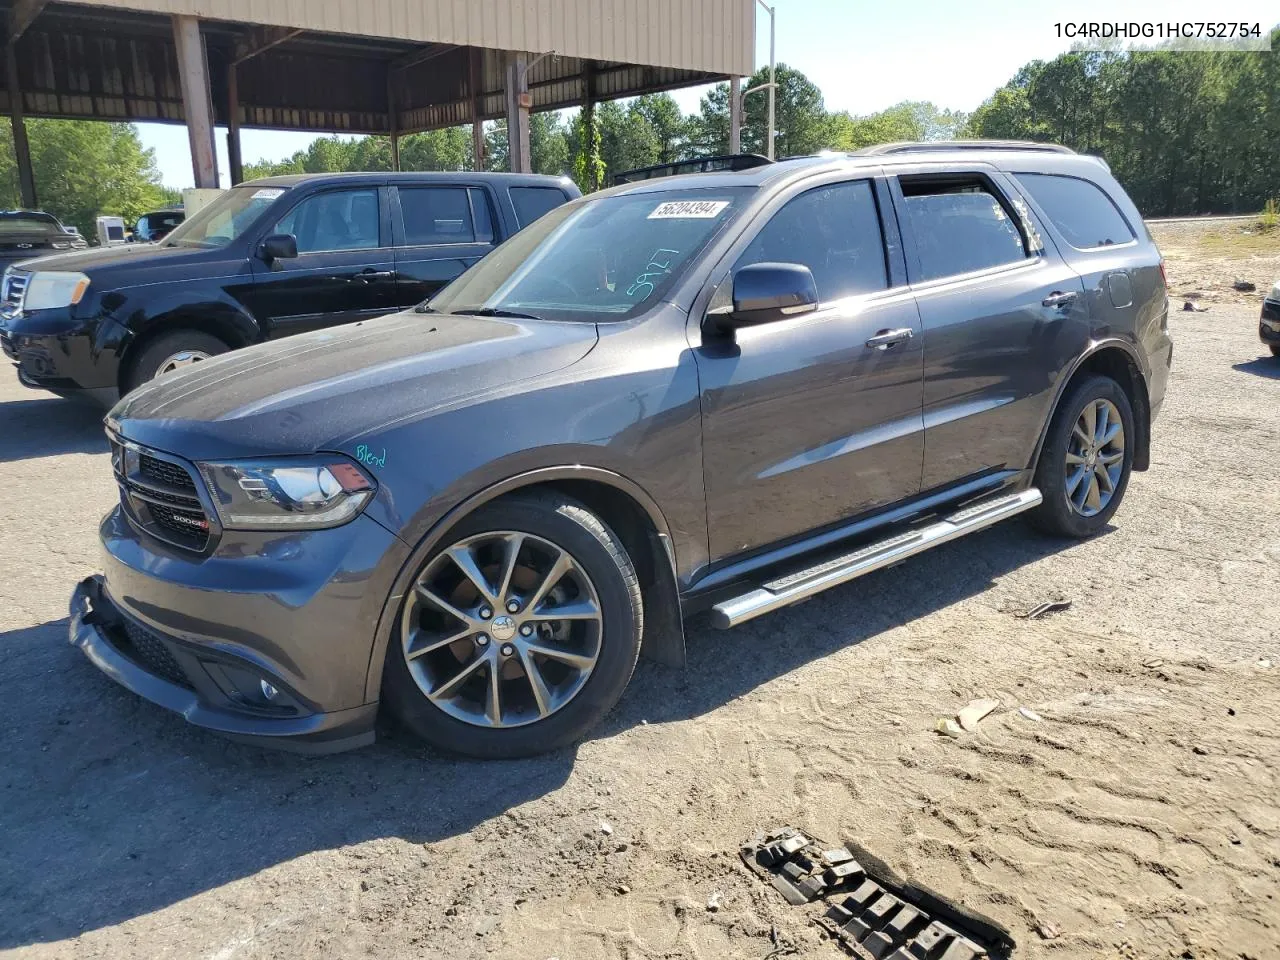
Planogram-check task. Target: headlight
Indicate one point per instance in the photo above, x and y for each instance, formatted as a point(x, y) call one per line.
point(51, 290)
point(288, 492)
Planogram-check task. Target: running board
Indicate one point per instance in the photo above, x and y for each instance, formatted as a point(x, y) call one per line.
point(806, 582)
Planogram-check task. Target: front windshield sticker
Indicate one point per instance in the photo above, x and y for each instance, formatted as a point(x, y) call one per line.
point(268, 194)
point(657, 268)
point(688, 210)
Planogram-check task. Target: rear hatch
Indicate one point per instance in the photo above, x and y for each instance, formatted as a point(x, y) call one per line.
point(27, 235)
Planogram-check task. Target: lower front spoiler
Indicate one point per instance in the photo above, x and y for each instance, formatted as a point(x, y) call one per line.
point(317, 733)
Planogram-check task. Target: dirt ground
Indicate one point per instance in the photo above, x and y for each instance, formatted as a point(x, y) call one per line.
point(1140, 817)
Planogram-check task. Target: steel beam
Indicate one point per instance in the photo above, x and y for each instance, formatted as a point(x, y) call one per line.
point(518, 103)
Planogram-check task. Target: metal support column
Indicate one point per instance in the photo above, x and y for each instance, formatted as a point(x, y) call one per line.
point(393, 120)
point(193, 69)
point(735, 114)
point(518, 103)
point(21, 148)
point(477, 125)
point(234, 157)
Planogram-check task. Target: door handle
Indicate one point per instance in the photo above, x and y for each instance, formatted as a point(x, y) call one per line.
point(369, 276)
point(1059, 298)
point(887, 338)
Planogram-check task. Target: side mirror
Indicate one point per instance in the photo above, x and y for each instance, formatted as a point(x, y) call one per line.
point(279, 246)
point(765, 292)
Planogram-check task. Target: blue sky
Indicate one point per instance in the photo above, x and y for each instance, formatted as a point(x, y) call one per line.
point(865, 56)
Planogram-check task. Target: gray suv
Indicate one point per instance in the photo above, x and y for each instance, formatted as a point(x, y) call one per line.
point(727, 392)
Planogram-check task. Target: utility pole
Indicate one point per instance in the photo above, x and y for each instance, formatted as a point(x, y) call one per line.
point(773, 79)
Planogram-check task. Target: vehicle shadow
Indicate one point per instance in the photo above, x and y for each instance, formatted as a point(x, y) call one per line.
point(49, 427)
point(1268, 367)
point(114, 808)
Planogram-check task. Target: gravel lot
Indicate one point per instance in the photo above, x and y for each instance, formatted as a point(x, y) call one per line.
point(1139, 818)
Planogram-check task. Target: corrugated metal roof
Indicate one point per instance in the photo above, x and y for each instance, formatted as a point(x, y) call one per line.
point(712, 36)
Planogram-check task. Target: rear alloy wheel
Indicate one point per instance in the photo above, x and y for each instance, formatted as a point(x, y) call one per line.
point(1086, 461)
point(520, 634)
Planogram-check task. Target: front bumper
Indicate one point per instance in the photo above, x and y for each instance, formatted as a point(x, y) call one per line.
point(197, 633)
point(1269, 324)
point(54, 351)
point(178, 678)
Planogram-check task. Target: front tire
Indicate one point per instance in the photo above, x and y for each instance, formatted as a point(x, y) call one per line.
point(1275, 349)
point(170, 352)
point(519, 634)
point(1086, 461)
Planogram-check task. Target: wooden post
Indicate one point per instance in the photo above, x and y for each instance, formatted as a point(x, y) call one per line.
point(518, 115)
point(735, 114)
point(393, 120)
point(477, 125)
point(234, 157)
point(193, 70)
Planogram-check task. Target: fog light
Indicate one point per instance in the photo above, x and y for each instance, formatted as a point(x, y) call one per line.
point(268, 690)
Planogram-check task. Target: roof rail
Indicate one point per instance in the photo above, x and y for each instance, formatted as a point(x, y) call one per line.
point(727, 162)
point(881, 149)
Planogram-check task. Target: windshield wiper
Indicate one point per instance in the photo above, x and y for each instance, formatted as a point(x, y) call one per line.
point(496, 312)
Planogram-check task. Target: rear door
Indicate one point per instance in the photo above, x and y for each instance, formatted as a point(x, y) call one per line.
point(440, 231)
point(1003, 314)
point(344, 271)
point(810, 421)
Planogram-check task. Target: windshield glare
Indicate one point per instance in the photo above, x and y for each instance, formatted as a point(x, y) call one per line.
point(608, 258)
point(225, 219)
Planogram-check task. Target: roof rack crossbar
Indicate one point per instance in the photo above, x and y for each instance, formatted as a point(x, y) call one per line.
point(883, 149)
point(718, 164)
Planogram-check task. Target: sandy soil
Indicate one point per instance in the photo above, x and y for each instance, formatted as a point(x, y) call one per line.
point(1139, 817)
point(1205, 260)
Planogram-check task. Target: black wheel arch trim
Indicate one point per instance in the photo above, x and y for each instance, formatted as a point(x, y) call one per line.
point(663, 639)
point(1141, 403)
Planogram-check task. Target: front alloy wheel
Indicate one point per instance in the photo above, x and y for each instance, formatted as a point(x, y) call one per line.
point(502, 629)
point(519, 633)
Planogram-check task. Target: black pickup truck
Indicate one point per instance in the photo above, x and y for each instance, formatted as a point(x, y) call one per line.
point(266, 259)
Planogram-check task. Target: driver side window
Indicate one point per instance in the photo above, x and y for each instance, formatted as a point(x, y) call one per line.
point(833, 230)
point(335, 220)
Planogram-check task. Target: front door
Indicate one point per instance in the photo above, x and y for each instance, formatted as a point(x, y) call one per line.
point(344, 271)
point(814, 420)
point(1002, 314)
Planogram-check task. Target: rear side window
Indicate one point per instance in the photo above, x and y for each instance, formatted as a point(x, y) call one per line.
point(436, 215)
point(534, 202)
point(1082, 212)
point(832, 230)
point(960, 226)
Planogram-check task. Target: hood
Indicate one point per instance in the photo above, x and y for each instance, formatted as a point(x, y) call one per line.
point(131, 255)
point(321, 390)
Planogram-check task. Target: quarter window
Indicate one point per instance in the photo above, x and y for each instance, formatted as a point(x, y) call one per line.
point(534, 202)
point(335, 220)
point(960, 226)
point(1080, 210)
point(436, 215)
point(832, 230)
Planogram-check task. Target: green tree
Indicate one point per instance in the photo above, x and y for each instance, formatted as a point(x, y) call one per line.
point(671, 127)
point(84, 169)
point(801, 118)
point(548, 145)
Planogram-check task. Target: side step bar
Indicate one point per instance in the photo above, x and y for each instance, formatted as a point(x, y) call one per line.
point(811, 580)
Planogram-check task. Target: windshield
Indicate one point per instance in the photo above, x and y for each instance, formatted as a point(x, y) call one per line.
point(12, 224)
point(225, 219)
point(614, 256)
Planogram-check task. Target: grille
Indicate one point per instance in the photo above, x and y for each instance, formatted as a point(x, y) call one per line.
point(149, 652)
point(160, 496)
point(15, 290)
point(162, 471)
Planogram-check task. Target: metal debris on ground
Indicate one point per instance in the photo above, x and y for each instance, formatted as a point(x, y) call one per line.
point(1046, 608)
point(1244, 286)
point(869, 908)
point(974, 712)
point(1189, 307)
point(1030, 714)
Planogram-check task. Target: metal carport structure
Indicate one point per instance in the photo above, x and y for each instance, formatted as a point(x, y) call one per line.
point(387, 67)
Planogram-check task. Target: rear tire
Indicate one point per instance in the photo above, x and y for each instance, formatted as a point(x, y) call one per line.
point(171, 351)
point(514, 546)
point(1275, 349)
point(1082, 478)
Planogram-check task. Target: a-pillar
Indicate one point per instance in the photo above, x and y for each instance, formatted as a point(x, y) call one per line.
point(518, 103)
point(21, 148)
point(197, 106)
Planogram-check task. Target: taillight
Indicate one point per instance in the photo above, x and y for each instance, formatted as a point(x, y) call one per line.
point(1163, 275)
